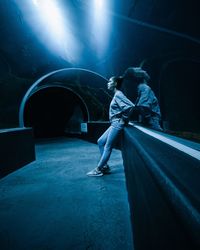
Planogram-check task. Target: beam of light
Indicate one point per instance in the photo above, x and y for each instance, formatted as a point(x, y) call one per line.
point(100, 24)
point(53, 27)
point(58, 30)
point(51, 19)
point(35, 2)
point(150, 26)
point(99, 4)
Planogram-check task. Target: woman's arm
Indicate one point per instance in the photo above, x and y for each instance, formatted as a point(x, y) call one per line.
point(125, 105)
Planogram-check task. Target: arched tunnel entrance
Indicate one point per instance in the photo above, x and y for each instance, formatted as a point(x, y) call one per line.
point(54, 111)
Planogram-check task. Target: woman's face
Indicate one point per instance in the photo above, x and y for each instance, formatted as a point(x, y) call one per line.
point(111, 84)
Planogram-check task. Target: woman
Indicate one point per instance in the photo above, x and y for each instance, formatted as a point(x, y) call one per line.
point(119, 111)
point(147, 106)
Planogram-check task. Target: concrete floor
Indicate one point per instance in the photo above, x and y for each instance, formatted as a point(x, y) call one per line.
point(52, 204)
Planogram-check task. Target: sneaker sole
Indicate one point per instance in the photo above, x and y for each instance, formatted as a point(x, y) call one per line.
point(94, 175)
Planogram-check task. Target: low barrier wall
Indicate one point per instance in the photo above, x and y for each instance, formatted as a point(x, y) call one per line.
point(164, 193)
point(17, 149)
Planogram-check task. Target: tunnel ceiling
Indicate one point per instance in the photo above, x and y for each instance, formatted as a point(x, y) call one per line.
point(106, 37)
point(23, 54)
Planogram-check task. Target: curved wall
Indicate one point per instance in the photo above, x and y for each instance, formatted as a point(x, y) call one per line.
point(88, 85)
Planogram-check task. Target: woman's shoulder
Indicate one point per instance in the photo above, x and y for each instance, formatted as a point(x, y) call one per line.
point(119, 93)
point(143, 87)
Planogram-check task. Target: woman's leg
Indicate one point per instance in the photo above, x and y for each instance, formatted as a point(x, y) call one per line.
point(102, 140)
point(108, 139)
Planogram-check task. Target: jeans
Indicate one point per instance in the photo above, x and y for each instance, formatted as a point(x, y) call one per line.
point(149, 118)
point(107, 141)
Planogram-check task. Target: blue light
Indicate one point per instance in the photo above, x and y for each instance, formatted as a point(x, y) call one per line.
point(51, 18)
point(53, 27)
point(100, 25)
point(99, 4)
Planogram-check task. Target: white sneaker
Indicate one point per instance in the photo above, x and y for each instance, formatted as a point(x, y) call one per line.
point(106, 169)
point(95, 172)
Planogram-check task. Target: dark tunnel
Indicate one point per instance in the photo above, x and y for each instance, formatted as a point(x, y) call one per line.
point(99, 125)
point(54, 111)
point(179, 80)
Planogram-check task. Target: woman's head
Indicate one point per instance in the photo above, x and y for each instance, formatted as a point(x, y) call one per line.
point(136, 74)
point(115, 83)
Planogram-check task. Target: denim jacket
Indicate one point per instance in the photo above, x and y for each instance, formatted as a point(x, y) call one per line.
point(120, 108)
point(147, 98)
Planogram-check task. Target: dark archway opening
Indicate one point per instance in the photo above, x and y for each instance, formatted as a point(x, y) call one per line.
point(54, 111)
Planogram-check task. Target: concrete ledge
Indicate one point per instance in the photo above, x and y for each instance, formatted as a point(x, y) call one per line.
point(163, 185)
point(17, 149)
